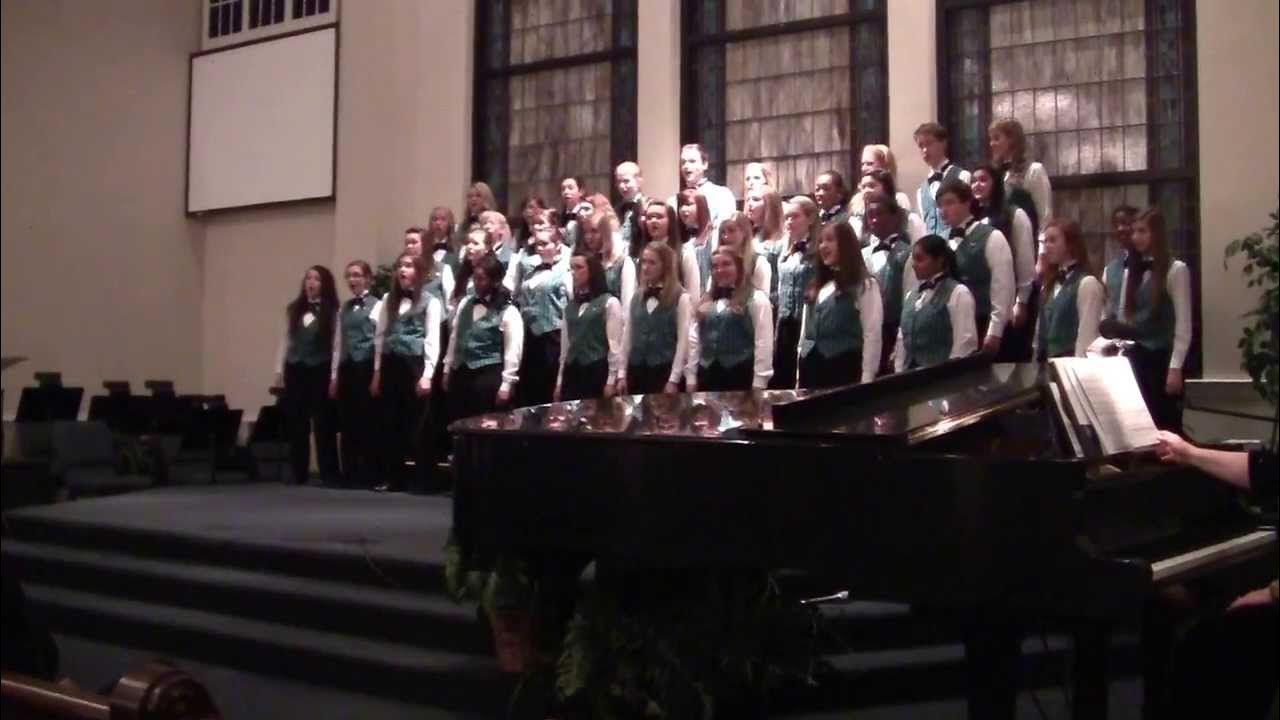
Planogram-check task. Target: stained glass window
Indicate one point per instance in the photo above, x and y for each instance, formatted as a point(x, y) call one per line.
point(1105, 91)
point(797, 84)
point(555, 94)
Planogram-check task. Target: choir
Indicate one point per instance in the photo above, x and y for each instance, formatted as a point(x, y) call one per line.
point(692, 294)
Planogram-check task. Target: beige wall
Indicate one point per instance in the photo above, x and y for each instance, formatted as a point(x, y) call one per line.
point(1239, 67)
point(101, 278)
point(94, 129)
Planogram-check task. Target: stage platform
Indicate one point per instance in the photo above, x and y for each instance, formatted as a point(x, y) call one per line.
point(342, 590)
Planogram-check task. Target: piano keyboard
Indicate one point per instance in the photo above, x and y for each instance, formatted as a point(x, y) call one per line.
point(1171, 568)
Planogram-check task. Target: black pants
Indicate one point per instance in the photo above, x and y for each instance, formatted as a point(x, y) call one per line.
point(648, 379)
point(888, 340)
point(307, 406)
point(786, 344)
point(405, 423)
point(1151, 368)
point(539, 365)
point(437, 404)
point(473, 392)
point(820, 371)
point(717, 378)
point(1015, 342)
point(358, 420)
point(1225, 666)
point(584, 381)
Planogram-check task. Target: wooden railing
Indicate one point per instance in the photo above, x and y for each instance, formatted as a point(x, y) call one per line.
point(155, 692)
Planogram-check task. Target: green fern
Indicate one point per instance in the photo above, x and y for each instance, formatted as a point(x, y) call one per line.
point(1258, 352)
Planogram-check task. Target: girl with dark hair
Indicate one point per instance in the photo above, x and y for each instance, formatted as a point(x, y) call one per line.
point(406, 348)
point(795, 271)
point(887, 258)
point(591, 336)
point(542, 298)
point(351, 376)
point(475, 246)
point(1073, 297)
point(881, 181)
point(695, 232)
point(661, 223)
point(533, 215)
point(1154, 315)
point(841, 326)
point(304, 367)
point(482, 365)
point(731, 342)
point(655, 334)
point(991, 206)
point(937, 321)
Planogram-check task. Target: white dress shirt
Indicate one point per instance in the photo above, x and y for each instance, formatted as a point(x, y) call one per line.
point(875, 262)
point(1178, 285)
point(628, 288)
point(684, 310)
point(870, 314)
point(1036, 182)
point(761, 276)
point(613, 327)
point(512, 339)
point(964, 333)
point(1000, 260)
point(1024, 252)
point(1090, 296)
point(689, 272)
point(309, 317)
point(762, 325)
point(515, 269)
point(432, 313)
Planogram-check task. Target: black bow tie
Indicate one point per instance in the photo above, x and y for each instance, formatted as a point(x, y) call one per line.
point(542, 266)
point(314, 307)
point(929, 284)
point(961, 232)
point(582, 297)
point(937, 176)
point(1140, 264)
point(483, 300)
point(721, 293)
point(357, 302)
point(654, 291)
point(800, 247)
point(442, 246)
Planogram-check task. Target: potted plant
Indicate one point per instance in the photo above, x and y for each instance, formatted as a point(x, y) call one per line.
point(1258, 351)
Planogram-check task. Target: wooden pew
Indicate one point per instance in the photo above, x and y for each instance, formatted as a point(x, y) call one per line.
point(157, 691)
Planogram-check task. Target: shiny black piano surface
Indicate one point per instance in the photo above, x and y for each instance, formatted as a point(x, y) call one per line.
point(941, 486)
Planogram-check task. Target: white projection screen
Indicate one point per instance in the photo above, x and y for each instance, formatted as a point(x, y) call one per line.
point(262, 122)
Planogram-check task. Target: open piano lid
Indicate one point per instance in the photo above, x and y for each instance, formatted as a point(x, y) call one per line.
point(902, 409)
point(911, 407)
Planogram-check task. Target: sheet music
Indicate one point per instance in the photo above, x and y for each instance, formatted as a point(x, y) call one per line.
point(1104, 394)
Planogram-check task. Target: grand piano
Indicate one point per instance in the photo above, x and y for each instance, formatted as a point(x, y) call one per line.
point(949, 487)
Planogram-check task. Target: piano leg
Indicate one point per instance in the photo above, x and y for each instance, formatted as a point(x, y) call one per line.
point(992, 652)
point(1089, 697)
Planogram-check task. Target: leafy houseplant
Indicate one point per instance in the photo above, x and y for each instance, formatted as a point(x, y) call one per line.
point(1258, 351)
point(381, 284)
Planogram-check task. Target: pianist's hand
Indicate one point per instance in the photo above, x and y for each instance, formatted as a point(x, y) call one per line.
point(991, 346)
point(608, 390)
point(691, 387)
point(1019, 315)
point(1173, 381)
point(622, 386)
point(375, 385)
point(504, 396)
point(444, 381)
point(1254, 598)
point(333, 389)
point(671, 388)
point(424, 387)
point(1172, 448)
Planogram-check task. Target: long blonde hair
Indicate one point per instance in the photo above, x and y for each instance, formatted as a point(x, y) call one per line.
point(1012, 129)
point(888, 162)
point(810, 210)
point(671, 288)
point(771, 226)
point(741, 292)
point(748, 252)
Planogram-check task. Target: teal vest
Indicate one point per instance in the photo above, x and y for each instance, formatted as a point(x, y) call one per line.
point(834, 326)
point(451, 259)
point(972, 269)
point(588, 339)
point(504, 255)
point(306, 347)
point(1060, 319)
point(793, 278)
point(434, 287)
point(703, 255)
point(479, 341)
point(890, 278)
point(1113, 280)
point(727, 337)
point(926, 333)
point(357, 330)
point(1154, 323)
point(407, 332)
point(613, 277)
point(929, 204)
point(653, 334)
point(542, 306)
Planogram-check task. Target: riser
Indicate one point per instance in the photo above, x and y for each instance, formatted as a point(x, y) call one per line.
point(475, 687)
point(336, 566)
point(438, 624)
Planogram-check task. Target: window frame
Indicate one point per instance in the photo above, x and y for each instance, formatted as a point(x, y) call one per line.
point(1187, 174)
point(288, 26)
point(622, 57)
point(691, 42)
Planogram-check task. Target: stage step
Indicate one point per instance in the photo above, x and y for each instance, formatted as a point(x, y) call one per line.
point(443, 679)
point(413, 617)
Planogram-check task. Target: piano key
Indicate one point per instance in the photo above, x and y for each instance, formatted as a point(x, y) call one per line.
point(1170, 569)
